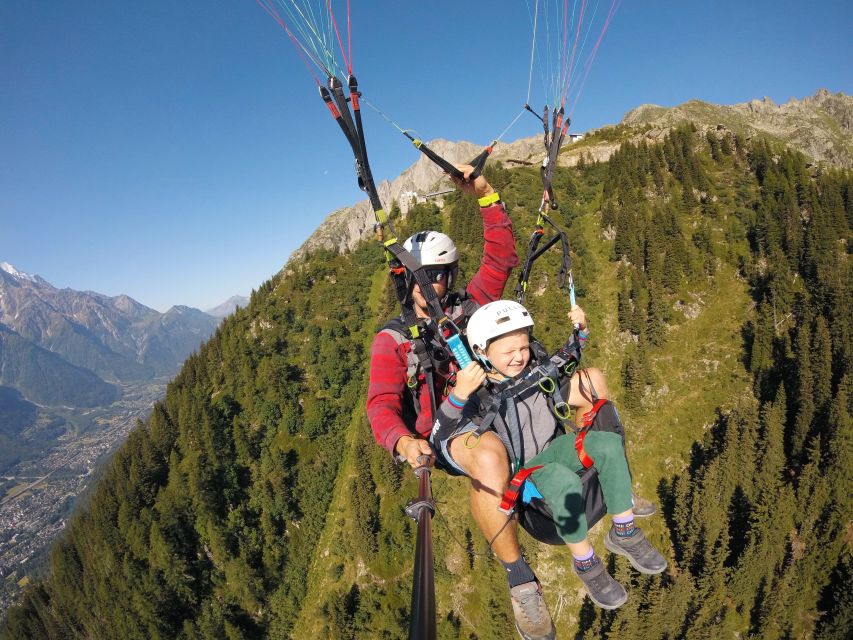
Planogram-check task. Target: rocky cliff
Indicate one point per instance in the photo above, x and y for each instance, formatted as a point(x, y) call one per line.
point(344, 228)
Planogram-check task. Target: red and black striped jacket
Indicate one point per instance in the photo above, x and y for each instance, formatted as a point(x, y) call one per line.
point(389, 356)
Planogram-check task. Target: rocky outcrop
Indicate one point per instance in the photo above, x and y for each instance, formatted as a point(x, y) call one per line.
point(344, 228)
point(821, 126)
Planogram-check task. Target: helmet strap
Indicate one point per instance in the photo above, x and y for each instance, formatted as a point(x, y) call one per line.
point(487, 364)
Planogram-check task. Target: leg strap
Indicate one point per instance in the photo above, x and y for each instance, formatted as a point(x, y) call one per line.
point(588, 419)
point(510, 496)
point(586, 461)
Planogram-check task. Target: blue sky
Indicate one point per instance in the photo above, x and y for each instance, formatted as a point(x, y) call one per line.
point(178, 151)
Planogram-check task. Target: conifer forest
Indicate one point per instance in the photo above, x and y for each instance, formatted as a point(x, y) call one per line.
point(715, 271)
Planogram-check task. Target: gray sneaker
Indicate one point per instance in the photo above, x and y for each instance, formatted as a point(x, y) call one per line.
point(639, 551)
point(531, 613)
point(642, 508)
point(601, 587)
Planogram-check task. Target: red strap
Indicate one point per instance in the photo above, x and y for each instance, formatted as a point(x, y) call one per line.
point(510, 496)
point(589, 416)
point(586, 422)
point(586, 461)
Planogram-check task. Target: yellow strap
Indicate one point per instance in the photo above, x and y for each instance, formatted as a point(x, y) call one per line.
point(381, 216)
point(417, 142)
point(414, 331)
point(490, 199)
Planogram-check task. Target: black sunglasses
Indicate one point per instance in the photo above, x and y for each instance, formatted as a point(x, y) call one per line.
point(437, 274)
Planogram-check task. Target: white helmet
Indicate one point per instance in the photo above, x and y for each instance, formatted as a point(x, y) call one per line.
point(431, 247)
point(495, 319)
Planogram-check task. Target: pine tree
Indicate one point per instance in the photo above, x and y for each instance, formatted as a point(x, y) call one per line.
point(840, 444)
point(713, 145)
point(772, 461)
point(726, 144)
point(633, 378)
point(805, 392)
point(761, 352)
point(656, 316)
point(821, 361)
point(640, 298)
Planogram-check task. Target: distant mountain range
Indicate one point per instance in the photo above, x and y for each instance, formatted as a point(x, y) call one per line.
point(60, 346)
point(45, 378)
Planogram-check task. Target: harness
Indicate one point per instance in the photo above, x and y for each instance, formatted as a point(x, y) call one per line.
point(427, 355)
point(510, 496)
point(548, 376)
point(588, 419)
point(549, 371)
point(402, 265)
point(534, 251)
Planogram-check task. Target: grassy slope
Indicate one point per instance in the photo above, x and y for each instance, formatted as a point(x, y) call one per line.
point(696, 371)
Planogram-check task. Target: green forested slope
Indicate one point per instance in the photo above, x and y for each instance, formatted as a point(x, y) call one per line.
point(254, 503)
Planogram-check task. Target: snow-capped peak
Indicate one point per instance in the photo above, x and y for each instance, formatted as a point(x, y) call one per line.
point(12, 271)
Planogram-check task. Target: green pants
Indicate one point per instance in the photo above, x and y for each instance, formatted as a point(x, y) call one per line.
point(560, 485)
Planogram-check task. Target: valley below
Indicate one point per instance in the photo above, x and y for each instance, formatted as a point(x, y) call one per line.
point(39, 492)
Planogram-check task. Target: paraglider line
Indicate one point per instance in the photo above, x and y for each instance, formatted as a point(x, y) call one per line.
point(613, 8)
point(300, 48)
point(532, 50)
point(511, 124)
point(574, 51)
point(338, 34)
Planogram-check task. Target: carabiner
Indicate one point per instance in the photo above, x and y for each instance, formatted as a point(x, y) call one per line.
point(548, 387)
point(468, 439)
point(562, 410)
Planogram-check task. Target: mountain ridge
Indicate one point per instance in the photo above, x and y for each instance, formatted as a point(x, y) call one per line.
point(343, 228)
point(820, 126)
point(116, 337)
point(47, 379)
